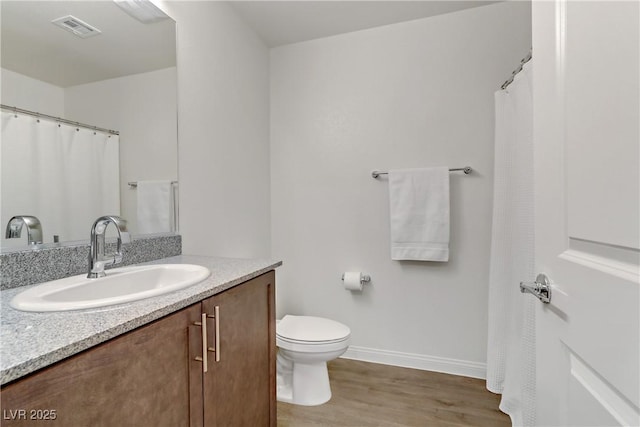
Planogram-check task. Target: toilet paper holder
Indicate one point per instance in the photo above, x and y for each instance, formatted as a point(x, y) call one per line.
point(364, 278)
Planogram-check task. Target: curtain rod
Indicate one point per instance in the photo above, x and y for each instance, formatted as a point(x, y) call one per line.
point(517, 70)
point(17, 110)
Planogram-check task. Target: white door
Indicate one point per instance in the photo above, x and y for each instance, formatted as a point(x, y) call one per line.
point(587, 155)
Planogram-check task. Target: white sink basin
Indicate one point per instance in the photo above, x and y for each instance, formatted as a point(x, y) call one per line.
point(120, 285)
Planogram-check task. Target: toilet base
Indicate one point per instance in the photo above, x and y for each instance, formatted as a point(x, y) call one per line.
point(304, 384)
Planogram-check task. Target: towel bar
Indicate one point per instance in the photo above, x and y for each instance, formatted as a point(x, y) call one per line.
point(134, 184)
point(467, 170)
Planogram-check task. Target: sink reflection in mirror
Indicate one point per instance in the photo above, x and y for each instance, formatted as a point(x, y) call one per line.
point(120, 285)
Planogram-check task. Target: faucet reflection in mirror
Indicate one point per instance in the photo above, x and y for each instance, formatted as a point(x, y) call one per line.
point(98, 259)
point(34, 228)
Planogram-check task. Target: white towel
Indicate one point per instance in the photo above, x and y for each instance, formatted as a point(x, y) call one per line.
point(419, 213)
point(155, 207)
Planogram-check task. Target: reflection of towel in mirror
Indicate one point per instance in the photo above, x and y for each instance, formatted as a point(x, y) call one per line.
point(155, 207)
point(419, 209)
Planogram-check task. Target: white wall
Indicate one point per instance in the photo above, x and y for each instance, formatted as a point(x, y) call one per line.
point(223, 110)
point(143, 108)
point(414, 94)
point(31, 94)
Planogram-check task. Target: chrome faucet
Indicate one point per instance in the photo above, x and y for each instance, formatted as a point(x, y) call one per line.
point(97, 257)
point(34, 228)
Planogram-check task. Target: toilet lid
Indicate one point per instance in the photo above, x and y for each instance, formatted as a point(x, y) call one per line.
point(311, 329)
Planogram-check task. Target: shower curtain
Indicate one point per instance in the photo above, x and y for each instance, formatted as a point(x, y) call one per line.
point(511, 338)
point(67, 176)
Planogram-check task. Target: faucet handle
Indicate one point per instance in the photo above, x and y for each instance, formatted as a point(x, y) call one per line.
point(123, 238)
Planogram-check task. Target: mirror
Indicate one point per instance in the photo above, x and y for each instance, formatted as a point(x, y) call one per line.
point(122, 77)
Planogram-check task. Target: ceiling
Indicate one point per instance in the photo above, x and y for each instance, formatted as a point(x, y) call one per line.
point(284, 22)
point(33, 46)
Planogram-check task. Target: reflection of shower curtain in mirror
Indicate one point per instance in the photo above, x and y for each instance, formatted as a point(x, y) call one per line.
point(66, 176)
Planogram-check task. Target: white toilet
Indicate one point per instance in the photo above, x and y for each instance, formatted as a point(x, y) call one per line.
point(305, 344)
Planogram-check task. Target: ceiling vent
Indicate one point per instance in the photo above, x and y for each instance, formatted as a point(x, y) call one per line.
point(76, 26)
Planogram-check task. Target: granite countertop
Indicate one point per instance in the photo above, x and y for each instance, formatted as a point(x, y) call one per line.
point(30, 341)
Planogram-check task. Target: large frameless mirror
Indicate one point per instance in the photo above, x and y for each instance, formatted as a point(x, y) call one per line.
point(111, 79)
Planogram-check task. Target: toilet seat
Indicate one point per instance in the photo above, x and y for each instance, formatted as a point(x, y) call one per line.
point(311, 330)
point(287, 340)
point(312, 348)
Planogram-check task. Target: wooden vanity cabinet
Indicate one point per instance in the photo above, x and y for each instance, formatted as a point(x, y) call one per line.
point(151, 376)
point(141, 378)
point(241, 377)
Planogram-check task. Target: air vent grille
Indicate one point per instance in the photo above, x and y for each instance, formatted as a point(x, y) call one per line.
point(76, 26)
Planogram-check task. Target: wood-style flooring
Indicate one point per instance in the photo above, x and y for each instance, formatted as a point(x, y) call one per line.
point(369, 394)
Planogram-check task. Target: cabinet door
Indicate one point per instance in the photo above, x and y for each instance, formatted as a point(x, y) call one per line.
point(141, 378)
point(239, 387)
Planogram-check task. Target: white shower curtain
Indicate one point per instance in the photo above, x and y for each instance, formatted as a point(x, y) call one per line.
point(64, 175)
point(511, 340)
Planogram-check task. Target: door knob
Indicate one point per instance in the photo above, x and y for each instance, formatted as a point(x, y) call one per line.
point(541, 288)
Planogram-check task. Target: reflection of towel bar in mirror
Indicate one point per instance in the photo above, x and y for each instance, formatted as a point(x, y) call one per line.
point(467, 170)
point(134, 184)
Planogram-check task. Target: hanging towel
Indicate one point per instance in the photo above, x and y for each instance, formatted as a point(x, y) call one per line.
point(155, 207)
point(419, 213)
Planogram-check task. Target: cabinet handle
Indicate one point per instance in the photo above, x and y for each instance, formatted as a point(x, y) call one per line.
point(203, 359)
point(216, 342)
point(217, 323)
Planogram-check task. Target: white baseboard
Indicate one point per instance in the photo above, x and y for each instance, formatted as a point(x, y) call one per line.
point(464, 368)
